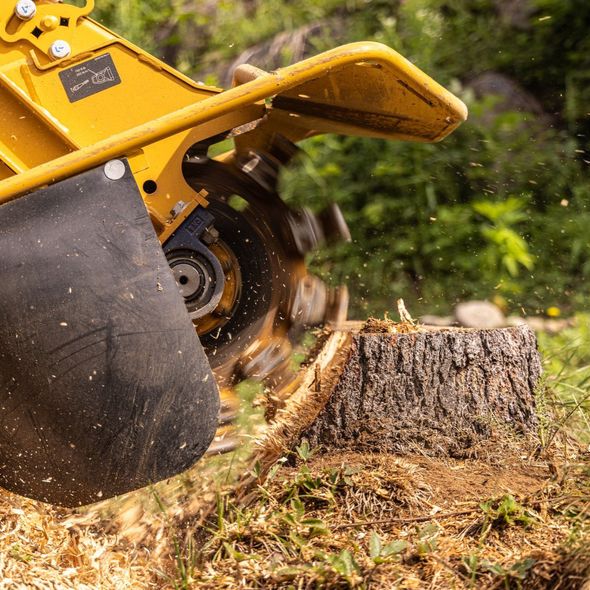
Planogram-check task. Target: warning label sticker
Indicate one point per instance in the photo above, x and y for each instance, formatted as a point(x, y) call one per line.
point(90, 77)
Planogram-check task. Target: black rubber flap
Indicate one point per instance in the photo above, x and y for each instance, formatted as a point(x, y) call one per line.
point(104, 386)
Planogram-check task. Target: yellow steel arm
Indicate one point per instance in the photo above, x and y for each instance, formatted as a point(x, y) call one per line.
point(321, 94)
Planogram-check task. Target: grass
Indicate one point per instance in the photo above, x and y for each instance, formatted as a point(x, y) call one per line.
point(518, 517)
point(567, 384)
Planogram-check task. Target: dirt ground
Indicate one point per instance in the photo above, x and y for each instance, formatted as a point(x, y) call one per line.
point(513, 512)
point(351, 520)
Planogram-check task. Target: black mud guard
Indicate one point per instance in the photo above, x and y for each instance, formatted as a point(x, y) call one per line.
point(104, 385)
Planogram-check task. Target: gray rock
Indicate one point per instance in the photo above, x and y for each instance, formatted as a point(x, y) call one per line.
point(479, 314)
point(516, 13)
point(512, 96)
point(437, 320)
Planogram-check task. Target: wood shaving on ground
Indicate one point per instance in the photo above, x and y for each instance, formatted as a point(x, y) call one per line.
point(278, 515)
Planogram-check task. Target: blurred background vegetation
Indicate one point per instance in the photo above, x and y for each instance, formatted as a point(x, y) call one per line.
point(499, 210)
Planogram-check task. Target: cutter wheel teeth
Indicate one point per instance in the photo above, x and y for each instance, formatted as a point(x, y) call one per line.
point(310, 301)
point(269, 299)
point(264, 357)
point(230, 407)
point(337, 306)
point(305, 231)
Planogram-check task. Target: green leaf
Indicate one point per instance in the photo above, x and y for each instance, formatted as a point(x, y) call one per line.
point(303, 450)
point(298, 507)
point(494, 568)
point(316, 525)
point(428, 530)
point(297, 540)
point(235, 554)
point(348, 561)
point(394, 548)
point(521, 568)
point(374, 545)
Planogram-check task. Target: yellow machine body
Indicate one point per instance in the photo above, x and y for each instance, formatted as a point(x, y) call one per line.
point(74, 96)
point(155, 114)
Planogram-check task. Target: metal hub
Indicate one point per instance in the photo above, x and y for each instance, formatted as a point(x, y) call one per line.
point(197, 271)
point(190, 278)
point(197, 281)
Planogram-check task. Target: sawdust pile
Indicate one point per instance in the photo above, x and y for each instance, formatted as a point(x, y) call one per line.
point(43, 547)
point(282, 515)
point(507, 519)
point(129, 542)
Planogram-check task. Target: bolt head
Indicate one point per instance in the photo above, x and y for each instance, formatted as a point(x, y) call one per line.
point(60, 49)
point(177, 209)
point(25, 9)
point(114, 170)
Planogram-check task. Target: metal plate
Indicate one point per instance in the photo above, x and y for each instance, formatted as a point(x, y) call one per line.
point(90, 77)
point(104, 386)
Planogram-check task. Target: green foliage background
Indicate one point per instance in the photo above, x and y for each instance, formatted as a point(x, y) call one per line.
point(498, 210)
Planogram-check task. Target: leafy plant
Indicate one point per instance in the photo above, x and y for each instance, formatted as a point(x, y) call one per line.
point(426, 539)
point(504, 512)
point(304, 450)
point(381, 553)
point(505, 248)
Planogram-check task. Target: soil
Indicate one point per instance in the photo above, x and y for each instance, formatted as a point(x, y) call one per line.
point(451, 481)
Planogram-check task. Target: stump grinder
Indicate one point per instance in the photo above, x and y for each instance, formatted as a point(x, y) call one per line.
point(146, 258)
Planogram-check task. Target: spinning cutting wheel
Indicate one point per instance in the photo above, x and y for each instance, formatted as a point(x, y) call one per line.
point(268, 297)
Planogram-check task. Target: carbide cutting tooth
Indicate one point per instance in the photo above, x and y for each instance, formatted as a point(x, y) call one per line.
point(334, 226)
point(230, 405)
point(264, 357)
point(284, 150)
point(226, 437)
point(261, 169)
point(310, 302)
point(226, 440)
point(306, 231)
point(337, 305)
point(303, 231)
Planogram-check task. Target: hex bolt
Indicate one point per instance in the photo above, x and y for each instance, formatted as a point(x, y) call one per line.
point(60, 49)
point(177, 209)
point(50, 23)
point(25, 9)
point(114, 170)
point(210, 236)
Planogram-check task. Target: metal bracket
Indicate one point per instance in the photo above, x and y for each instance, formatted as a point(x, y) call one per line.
point(50, 29)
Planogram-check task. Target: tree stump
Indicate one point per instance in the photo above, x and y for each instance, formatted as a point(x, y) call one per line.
point(434, 391)
point(395, 388)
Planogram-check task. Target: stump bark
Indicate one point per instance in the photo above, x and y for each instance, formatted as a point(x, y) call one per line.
point(436, 391)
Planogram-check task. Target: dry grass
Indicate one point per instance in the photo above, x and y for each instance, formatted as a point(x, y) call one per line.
point(511, 515)
point(337, 521)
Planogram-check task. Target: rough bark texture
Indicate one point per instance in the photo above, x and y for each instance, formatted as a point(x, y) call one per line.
point(438, 392)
